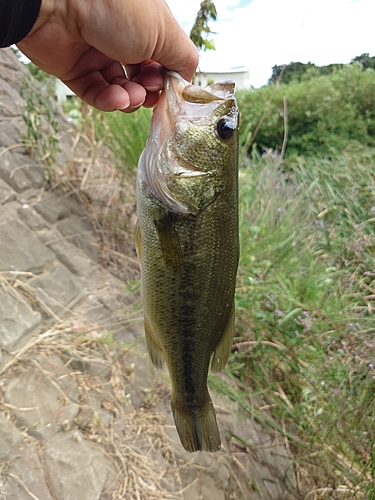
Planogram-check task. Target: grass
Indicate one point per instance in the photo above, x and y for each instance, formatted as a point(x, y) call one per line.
point(305, 303)
point(129, 132)
point(124, 133)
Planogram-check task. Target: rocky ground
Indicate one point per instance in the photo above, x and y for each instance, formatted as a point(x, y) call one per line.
point(83, 415)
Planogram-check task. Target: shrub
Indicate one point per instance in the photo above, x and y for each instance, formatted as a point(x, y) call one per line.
point(325, 113)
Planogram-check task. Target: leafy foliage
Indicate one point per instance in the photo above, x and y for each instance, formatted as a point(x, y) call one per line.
point(365, 60)
point(200, 29)
point(297, 72)
point(325, 113)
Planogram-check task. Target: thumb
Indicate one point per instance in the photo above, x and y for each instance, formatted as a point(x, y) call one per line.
point(176, 51)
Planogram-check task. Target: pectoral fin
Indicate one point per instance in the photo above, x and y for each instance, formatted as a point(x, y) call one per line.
point(153, 348)
point(170, 243)
point(223, 348)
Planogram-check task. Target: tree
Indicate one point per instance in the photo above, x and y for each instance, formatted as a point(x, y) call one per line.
point(201, 30)
point(365, 60)
point(293, 72)
point(297, 72)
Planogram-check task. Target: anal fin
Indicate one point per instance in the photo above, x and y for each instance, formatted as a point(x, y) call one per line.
point(154, 351)
point(223, 348)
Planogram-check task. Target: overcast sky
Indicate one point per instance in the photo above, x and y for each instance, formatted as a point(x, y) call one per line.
point(261, 33)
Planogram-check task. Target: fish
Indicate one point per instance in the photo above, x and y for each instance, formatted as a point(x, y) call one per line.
point(188, 245)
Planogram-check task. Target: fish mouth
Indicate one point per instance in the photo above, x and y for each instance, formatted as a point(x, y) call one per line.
point(161, 161)
point(180, 99)
point(161, 157)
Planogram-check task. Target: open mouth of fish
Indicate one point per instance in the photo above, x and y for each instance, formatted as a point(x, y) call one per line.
point(183, 100)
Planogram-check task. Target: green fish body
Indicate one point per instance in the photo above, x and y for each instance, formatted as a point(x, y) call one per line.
point(187, 241)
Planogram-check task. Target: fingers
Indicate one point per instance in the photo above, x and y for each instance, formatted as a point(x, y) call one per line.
point(108, 94)
point(147, 31)
point(175, 51)
point(148, 73)
point(81, 45)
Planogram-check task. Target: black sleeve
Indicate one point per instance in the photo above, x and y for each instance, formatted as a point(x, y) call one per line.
point(17, 17)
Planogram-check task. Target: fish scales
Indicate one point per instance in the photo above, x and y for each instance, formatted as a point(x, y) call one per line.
point(188, 248)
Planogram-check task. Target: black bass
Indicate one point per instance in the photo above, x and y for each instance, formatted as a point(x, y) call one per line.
point(187, 241)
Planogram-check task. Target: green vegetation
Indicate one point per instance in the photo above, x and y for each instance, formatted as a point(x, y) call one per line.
point(324, 113)
point(200, 29)
point(126, 137)
point(305, 302)
point(125, 134)
point(304, 354)
point(297, 72)
point(41, 125)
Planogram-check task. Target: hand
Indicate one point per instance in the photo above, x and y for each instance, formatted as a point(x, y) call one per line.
point(86, 43)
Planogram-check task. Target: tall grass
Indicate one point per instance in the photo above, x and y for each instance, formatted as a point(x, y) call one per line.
point(128, 132)
point(305, 304)
point(125, 134)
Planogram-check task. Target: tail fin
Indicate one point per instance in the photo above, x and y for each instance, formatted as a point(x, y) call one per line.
point(196, 426)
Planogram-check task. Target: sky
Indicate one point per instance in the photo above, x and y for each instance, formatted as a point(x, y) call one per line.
point(258, 34)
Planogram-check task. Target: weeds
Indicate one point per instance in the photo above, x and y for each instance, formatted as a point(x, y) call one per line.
point(42, 126)
point(305, 298)
point(124, 133)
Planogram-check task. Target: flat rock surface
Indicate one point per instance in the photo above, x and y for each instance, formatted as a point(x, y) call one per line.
point(59, 290)
point(42, 412)
point(26, 476)
point(77, 468)
point(17, 320)
point(10, 438)
point(83, 414)
point(21, 250)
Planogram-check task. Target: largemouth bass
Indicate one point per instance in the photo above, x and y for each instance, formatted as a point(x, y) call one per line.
point(187, 241)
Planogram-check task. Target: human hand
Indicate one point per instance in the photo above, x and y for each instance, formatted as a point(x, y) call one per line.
point(85, 44)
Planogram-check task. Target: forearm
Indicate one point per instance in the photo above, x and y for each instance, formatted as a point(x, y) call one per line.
point(17, 17)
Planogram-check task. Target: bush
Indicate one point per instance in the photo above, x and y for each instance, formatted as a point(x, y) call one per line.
point(325, 113)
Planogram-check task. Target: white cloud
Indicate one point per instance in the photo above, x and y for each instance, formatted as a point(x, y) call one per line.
point(269, 32)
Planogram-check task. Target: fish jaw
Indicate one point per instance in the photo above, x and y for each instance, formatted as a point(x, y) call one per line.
point(178, 179)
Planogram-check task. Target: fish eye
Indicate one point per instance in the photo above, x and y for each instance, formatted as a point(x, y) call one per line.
point(225, 128)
